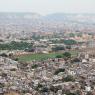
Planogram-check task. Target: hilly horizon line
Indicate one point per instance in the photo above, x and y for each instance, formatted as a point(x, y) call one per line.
point(61, 13)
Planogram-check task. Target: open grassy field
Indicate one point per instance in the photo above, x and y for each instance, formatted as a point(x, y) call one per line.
point(37, 57)
point(40, 57)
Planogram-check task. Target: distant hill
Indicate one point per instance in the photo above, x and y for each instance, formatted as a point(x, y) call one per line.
point(19, 16)
point(57, 22)
point(82, 18)
point(56, 16)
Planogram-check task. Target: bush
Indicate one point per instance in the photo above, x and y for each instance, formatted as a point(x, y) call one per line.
point(67, 55)
point(68, 47)
point(4, 55)
point(59, 56)
point(68, 78)
point(44, 89)
point(34, 66)
point(76, 60)
point(59, 70)
point(58, 48)
point(70, 42)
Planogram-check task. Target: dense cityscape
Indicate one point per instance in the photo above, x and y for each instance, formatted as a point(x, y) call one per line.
point(47, 55)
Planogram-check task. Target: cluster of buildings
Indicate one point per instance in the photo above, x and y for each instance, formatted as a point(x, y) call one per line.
point(58, 76)
point(54, 76)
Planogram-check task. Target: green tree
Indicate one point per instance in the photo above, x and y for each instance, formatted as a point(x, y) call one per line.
point(34, 66)
point(71, 35)
point(15, 46)
point(4, 55)
point(59, 56)
point(67, 55)
point(58, 48)
point(69, 78)
point(59, 70)
point(69, 42)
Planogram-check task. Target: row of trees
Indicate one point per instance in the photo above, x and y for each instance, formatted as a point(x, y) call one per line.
point(64, 55)
point(66, 42)
point(15, 46)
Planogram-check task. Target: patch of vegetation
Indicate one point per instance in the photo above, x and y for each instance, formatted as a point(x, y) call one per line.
point(69, 78)
point(44, 89)
point(58, 48)
point(67, 55)
point(71, 35)
point(59, 56)
point(59, 70)
point(69, 42)
point(15, 46)
point(4, 55)
point(39, 57)
point(34, 66)
point(76, 60)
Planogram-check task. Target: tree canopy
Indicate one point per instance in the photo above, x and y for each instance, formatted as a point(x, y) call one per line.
point(67, 55)
point(69, 42)
point(15, 46)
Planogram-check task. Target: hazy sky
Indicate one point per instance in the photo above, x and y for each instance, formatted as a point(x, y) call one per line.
point(48, 6)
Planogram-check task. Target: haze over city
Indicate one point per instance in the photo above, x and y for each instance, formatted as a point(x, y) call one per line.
point(47, 47)
point(48, 6)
